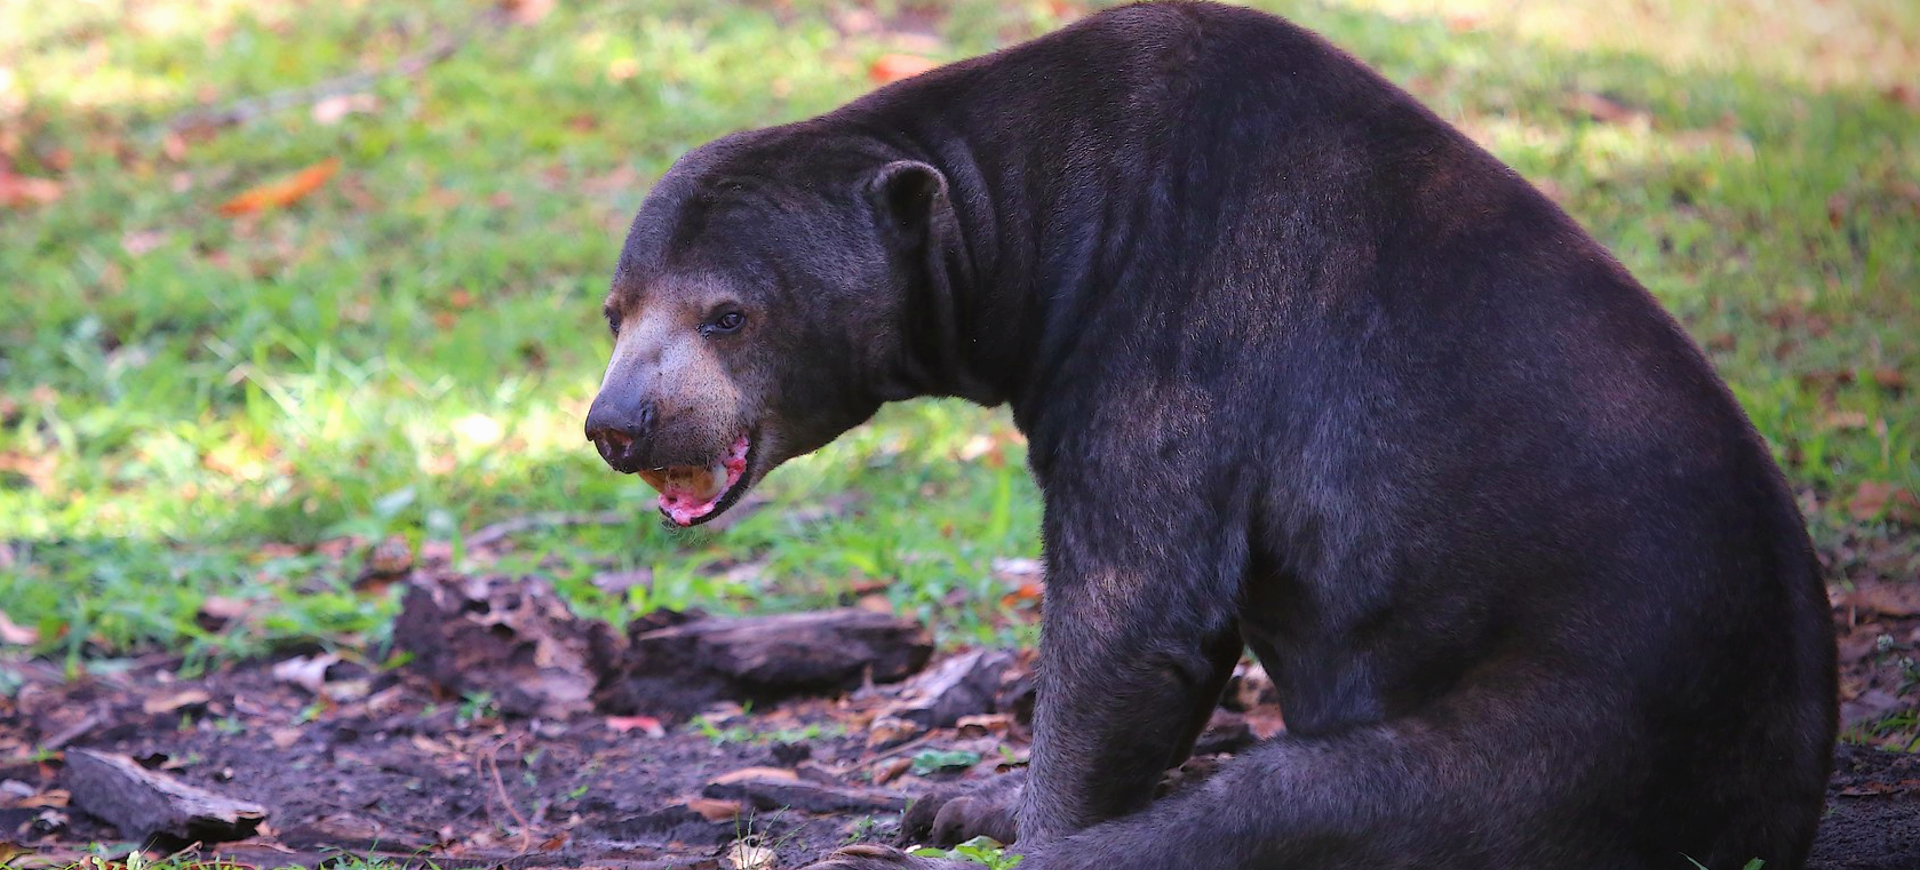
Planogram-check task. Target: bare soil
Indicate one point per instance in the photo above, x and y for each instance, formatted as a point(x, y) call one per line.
point(356, 760)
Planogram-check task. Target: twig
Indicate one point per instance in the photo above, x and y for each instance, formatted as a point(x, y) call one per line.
point(73, 732)
point(493, 534)
point(248, 109)
point(500, 786)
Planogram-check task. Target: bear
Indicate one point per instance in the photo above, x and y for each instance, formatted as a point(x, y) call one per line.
point(1304, 372)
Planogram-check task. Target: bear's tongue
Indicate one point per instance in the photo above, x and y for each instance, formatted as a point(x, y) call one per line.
point(689, 492)
point(687, 486)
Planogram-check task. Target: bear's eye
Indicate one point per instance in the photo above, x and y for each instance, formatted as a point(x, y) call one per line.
point(613, 322)
point(726, 322)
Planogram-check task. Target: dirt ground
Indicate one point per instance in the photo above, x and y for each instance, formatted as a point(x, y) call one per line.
point(355, 759)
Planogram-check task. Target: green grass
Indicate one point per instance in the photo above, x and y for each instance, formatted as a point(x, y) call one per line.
point(189, 403)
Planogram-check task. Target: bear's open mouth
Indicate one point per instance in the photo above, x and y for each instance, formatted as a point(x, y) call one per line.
point(692, 494)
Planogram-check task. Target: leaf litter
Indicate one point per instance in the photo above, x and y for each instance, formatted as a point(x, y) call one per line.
point(415, 760)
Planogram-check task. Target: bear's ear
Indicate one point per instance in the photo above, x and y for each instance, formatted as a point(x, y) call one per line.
point(905, 194)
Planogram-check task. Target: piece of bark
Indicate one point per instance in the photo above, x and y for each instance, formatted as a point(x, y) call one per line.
point(676, 671)
point(510, 638)
point(143, 803)
point(961, 686)
point(773, 793)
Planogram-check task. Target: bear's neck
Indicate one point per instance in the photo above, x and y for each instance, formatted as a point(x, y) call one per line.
point(1038, 244)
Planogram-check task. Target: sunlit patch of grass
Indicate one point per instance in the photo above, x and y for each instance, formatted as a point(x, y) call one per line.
point(409, 350)
point(1802, 41)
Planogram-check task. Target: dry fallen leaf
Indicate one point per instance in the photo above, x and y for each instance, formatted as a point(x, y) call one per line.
point(15, 634)
point(1875, 499)
point(51, 799)
point(894, 67)
point(1887, 599)
point(20, 191)
point(332, 109)
point(309, 673)
point(747, 856)
point(755, 773)
point(714, 810)
point(282, 192)
point(176, 701)
point(527, 11)
point(644, 724)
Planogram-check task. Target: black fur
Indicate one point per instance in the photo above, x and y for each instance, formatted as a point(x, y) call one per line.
point(1303, 370)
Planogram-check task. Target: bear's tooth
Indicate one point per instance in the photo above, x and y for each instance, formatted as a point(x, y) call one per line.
point(715, 482)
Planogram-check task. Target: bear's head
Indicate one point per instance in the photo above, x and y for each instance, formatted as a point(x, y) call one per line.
point(773, 292)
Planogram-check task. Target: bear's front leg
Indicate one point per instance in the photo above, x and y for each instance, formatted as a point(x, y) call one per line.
point(1138, 637)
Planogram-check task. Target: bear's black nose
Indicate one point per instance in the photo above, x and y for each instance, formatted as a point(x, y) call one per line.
point(616, 429)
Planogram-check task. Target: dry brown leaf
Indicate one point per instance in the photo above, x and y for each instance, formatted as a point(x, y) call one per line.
point(1905, 95)
point(16, 635)
point(21, 191)
point(1890, 379)
point(1887, 599)
point(1027, 593)
point(1845, 420)
point(283, 192)
point(644, 724)
point(51, 799)
point(526, 11)
point(178, 700)
point(893, 67)
point(714, 810)
point(748, 856)
point(332, 110)
point(622, 69)
point(891, 769)
point(1838, 205)
point(752, 773)
point(1875, 499)
point(307, 672)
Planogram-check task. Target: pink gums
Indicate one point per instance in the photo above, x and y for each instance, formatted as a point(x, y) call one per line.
point(683, 507)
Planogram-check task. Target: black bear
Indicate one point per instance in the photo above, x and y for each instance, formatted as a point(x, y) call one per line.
point(1303, 370)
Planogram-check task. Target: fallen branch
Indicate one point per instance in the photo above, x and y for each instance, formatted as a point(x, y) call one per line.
point(143, 803)
point(251, 108)
point(492, 761)
point(493, 534)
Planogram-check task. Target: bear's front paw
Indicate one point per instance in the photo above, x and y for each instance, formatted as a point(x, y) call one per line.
point(950, 816)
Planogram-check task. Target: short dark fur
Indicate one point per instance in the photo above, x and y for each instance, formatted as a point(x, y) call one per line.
point(1302, 370)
